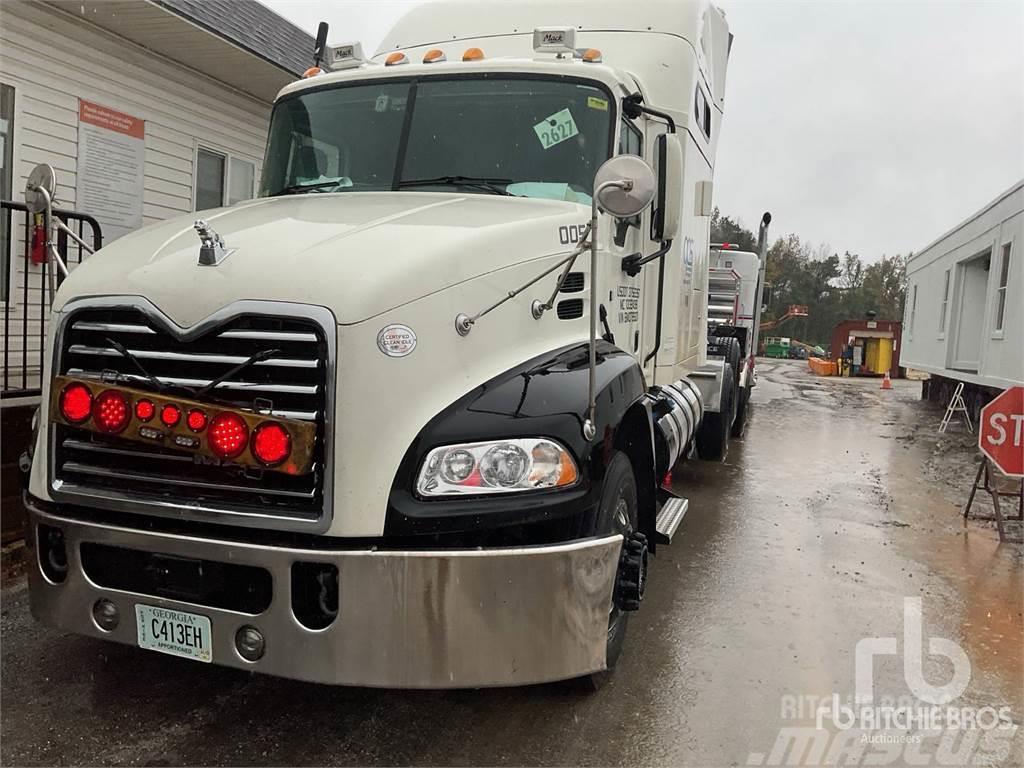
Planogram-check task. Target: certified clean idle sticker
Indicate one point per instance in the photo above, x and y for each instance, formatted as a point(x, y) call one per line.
point(396, 340)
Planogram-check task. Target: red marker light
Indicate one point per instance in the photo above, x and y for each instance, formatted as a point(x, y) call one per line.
point(228, 435)
point(271, 443)
point(76, 403)
point(110, 412)
point(196, 420)
point(170, 415)
point(144, 410)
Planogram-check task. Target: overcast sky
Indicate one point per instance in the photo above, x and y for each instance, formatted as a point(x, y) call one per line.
point(871, 126)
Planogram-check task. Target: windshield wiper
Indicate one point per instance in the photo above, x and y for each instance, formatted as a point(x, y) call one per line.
point(295, 189)
point(257, 358)
point(473, 182)
point(127, 355)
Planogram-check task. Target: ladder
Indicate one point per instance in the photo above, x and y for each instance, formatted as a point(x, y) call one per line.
point(956, 405)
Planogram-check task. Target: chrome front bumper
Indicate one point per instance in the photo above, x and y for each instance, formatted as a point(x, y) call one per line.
point(407, 619)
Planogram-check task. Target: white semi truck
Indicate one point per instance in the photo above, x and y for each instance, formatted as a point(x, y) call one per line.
point(735, 300)
point(404, 420)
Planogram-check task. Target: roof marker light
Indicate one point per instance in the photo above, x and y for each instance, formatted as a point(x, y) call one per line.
point(312, 72)
point(396, 58)
point(434, 56)
point(592, 56)
point(473, 54)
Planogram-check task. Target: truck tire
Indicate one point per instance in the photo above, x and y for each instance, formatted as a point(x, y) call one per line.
point(617, 513)
point(733, 354)
point(713, 434)
point(740, 422)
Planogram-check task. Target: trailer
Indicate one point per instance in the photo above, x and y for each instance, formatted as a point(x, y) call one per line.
point(406, 419)
point(964, 315)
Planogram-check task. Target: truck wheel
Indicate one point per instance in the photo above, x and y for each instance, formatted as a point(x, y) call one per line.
point(740, 422)
point(733, 353)
point(617, 513)
point(713, 434)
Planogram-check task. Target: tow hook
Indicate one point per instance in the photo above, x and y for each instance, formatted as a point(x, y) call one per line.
point(632, 578)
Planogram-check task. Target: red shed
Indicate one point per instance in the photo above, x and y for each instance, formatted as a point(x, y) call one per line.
point(880, 342)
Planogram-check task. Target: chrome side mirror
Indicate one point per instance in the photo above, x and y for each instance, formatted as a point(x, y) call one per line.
point(41, 180)
point(624, 186)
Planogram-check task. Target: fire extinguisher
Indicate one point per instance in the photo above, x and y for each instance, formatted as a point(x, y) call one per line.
point(38, 250)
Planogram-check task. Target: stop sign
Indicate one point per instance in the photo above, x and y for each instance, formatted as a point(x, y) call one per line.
point(1001, 437)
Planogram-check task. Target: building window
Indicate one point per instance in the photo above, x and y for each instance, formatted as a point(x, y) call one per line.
point(222, 179)
point(1004, 280)
point(913, 311)
point(945, 305)
point(6, 183)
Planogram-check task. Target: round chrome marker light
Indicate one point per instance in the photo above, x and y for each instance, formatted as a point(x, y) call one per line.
point(106, 615)
point(250, 643)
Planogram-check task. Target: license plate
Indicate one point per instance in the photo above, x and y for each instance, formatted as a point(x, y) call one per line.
point(174, 632)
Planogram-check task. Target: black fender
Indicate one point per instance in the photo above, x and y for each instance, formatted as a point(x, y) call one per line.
point(543, 397)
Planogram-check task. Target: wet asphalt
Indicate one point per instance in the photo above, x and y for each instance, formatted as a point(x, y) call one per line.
point(840, 501)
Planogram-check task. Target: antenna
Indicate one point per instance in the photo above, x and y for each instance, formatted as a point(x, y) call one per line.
point(321, 43)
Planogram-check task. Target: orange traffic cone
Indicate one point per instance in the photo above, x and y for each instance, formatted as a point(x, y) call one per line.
point(886, 382)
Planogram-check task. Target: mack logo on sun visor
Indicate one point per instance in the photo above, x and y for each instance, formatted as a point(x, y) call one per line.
point(204, 429)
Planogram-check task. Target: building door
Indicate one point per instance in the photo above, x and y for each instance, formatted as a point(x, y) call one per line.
point(971, 312)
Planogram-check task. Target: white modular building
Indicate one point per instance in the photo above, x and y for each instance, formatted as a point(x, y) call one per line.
point(964, 315)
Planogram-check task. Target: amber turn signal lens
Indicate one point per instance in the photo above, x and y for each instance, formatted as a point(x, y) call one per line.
point(76, 403)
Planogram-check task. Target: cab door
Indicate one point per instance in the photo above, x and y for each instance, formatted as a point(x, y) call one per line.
point(619, 294)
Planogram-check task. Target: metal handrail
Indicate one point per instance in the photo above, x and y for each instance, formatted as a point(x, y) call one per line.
point(21, 310)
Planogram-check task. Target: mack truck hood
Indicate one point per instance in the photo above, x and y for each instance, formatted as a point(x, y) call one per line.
point(357, 253)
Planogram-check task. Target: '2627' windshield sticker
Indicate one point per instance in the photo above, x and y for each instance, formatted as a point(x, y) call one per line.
point(556, 128)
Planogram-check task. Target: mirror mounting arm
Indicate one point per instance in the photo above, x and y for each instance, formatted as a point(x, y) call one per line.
point(633, 263)
point(633, 106)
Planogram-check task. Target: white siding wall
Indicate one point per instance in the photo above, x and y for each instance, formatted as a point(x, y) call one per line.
point(1001, 354)
point(180, 108)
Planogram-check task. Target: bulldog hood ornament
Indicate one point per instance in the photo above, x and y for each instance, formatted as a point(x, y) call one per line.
point(213, 250)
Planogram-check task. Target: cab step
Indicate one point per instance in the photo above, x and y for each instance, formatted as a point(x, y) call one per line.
point(669, 518)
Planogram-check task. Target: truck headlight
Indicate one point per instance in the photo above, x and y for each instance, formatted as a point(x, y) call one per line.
point(498, 466)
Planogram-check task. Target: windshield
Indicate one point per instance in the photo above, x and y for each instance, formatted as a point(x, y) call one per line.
point(491, 135)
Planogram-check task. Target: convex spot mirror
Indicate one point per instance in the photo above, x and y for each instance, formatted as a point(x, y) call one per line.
point(624, 186)
point(42, 177)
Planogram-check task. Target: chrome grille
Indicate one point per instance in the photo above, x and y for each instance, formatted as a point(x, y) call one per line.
point(292, 383)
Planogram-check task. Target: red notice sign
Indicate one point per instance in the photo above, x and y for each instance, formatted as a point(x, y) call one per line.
point(111, 119)
point(1001, 437)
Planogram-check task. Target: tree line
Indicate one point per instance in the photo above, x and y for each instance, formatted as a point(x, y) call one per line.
point(833, 287)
